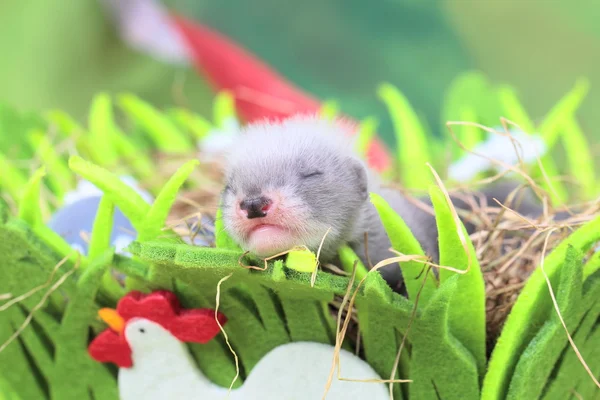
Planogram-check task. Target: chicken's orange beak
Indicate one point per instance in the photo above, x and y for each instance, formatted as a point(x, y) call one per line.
point(112, 319)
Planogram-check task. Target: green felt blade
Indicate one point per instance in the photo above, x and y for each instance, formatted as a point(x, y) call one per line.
point(347, 258)
point(592, 265)
point(467, 310)
point(531, 310)
point(156, 217)
point(13, 181)
point(163, 132)
point(469, 98)
point(223, 108)
point(469, 135)
point(580, 158)
point(141, 164)
point(330, 109)
point(75, 373)
point(564, 110)
point(30, 206)
point(513, 110)
point(222, 238)
point(123, 196)
point(100, 243)
point(60, 177)
point(404, 241)
point(542, 354)
point(195, 124)
point(379, 332)
point(27, 263)
point(365, 135)
point(569, 371)
point(441, 367)
point(102, 129)
point(412, 149)
point(68, 128)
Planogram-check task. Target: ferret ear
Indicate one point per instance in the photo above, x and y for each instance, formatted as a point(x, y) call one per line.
point(360, 172)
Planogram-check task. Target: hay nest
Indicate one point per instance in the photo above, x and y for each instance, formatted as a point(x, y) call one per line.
point(508, 245)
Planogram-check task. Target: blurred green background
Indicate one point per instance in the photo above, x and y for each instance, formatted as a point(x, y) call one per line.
point(58, 53)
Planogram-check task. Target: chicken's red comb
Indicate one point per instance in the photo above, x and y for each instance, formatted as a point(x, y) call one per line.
point(163, 307)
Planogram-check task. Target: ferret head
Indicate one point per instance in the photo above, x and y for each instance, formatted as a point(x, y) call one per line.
point(287, 183)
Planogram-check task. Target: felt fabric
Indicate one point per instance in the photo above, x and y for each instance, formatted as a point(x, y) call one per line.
point(530, 311)
point(441, 367)
point(75, 374)
point(79, 213)
point(25, 363)
point(403, 240)
point(569, 372)
point(467, 310)
point(347, 258)
point(269, 308)
point(305, 319)
point(378, 330)
point(543, 352)
point(584, 386)
point(165, 134)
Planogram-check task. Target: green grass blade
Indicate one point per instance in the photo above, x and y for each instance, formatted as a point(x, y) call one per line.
point(157, 215)
point(513, 110)
point(365, 135)
point(68, 128)
point(592, 265)
point(198, 126)
point(530, 311)
point(102, 129)
point(330, 109)
point(467, 311)
point(60, 177)
point(579, 157)
point(163, 132)
point(29, 207)
point(224, 108)
point(412, 149)
point(13, 181)
point(100, 244)
point(555, 188)
point(562, 112)
point(130, 154)
point(347, 258)
point(127, 199)
point(404, 241)
point(469, 135)
point(222, 239)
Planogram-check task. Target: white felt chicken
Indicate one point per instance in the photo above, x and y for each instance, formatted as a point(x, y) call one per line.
point(147, 341)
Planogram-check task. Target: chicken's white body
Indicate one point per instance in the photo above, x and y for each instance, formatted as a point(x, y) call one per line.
point(163, 369)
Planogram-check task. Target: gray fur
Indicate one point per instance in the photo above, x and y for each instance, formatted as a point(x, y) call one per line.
point(277, 156)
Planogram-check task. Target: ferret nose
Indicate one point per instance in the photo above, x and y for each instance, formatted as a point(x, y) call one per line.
point(256, 207)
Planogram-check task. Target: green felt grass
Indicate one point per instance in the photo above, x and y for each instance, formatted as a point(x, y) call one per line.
point(444, 352)
point(441, 367)
point(532, 308)
point(467, 309)
point(403, 240)
point(412, 149)
point(543, 352)
point(163, 132)
point(569, 371)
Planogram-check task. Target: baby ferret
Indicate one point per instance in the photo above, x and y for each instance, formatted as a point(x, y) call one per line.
point(288, 182)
